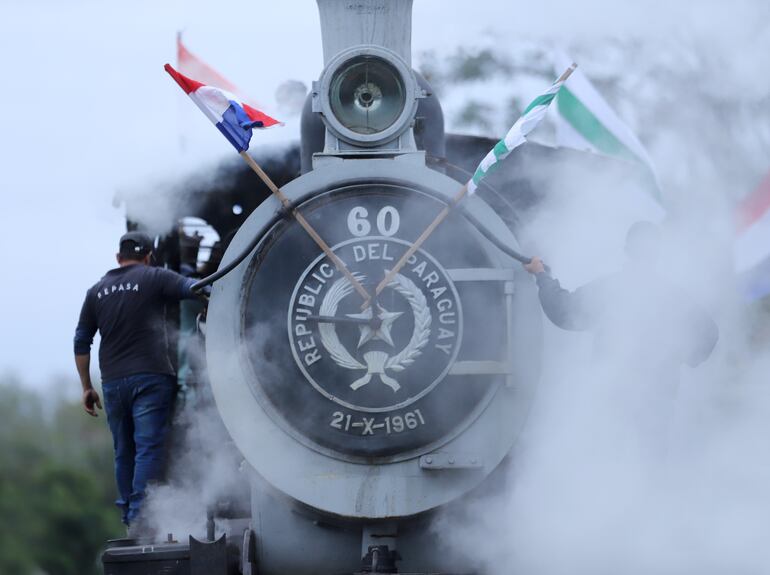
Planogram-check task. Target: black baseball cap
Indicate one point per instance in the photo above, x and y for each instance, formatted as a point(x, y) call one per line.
point(135, 244)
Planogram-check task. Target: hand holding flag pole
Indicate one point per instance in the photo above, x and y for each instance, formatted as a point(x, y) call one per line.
point(515, 137)
point(236, 120)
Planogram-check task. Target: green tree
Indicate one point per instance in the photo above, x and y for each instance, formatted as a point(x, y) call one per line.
point(56, 485)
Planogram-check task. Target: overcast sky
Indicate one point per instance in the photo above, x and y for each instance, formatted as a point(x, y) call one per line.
point(88, 112)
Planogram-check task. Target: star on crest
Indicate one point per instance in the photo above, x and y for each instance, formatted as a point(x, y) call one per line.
point(383, 332)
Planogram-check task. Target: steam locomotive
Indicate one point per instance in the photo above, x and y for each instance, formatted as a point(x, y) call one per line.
point(358, 423)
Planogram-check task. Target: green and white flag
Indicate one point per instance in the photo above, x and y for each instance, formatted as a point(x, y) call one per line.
point(585, 121)
point(517, 135)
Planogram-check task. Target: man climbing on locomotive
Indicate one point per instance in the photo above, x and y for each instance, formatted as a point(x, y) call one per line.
point(127, 307)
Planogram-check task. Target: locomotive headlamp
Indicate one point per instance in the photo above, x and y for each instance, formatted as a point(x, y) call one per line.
point(367, 96)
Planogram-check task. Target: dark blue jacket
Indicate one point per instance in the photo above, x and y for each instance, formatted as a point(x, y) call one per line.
point(128, 308)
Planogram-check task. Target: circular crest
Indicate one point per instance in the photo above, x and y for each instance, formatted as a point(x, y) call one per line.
point(385, 356)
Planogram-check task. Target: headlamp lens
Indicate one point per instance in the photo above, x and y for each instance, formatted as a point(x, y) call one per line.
point(367, 95)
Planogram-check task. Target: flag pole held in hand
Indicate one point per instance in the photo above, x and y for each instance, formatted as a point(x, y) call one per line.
point(516, 136)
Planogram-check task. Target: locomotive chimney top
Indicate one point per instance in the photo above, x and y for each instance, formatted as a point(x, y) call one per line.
point(348, 23)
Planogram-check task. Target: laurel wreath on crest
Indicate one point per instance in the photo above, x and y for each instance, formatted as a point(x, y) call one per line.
point(420, 335)
point(422, 321)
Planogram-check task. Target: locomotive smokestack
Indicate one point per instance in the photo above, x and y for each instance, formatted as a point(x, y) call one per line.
point(348, 23)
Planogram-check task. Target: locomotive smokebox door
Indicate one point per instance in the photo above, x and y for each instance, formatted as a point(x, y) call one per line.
point(340, 404)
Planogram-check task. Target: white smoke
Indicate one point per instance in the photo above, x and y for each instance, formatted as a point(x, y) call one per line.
point(622, 472)
point(628, 472)
point(207, 474)
point(204, 472)
point(627, 467)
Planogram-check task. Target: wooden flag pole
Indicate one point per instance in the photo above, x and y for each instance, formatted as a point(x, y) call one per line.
point(418, 242)
point(338, 263)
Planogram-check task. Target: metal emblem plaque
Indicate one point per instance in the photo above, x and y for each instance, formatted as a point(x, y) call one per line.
point(370, 382)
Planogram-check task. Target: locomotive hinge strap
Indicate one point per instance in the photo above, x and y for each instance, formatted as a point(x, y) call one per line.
point(445, 460)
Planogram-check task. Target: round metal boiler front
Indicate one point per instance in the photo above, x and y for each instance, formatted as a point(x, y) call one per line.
point(333, 404)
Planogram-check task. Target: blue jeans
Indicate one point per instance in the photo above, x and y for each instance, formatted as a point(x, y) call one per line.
point(139, 410)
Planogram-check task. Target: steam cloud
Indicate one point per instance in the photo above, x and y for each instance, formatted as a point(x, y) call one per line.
point(628, 472)
point(627, 469)
point(203, 472)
